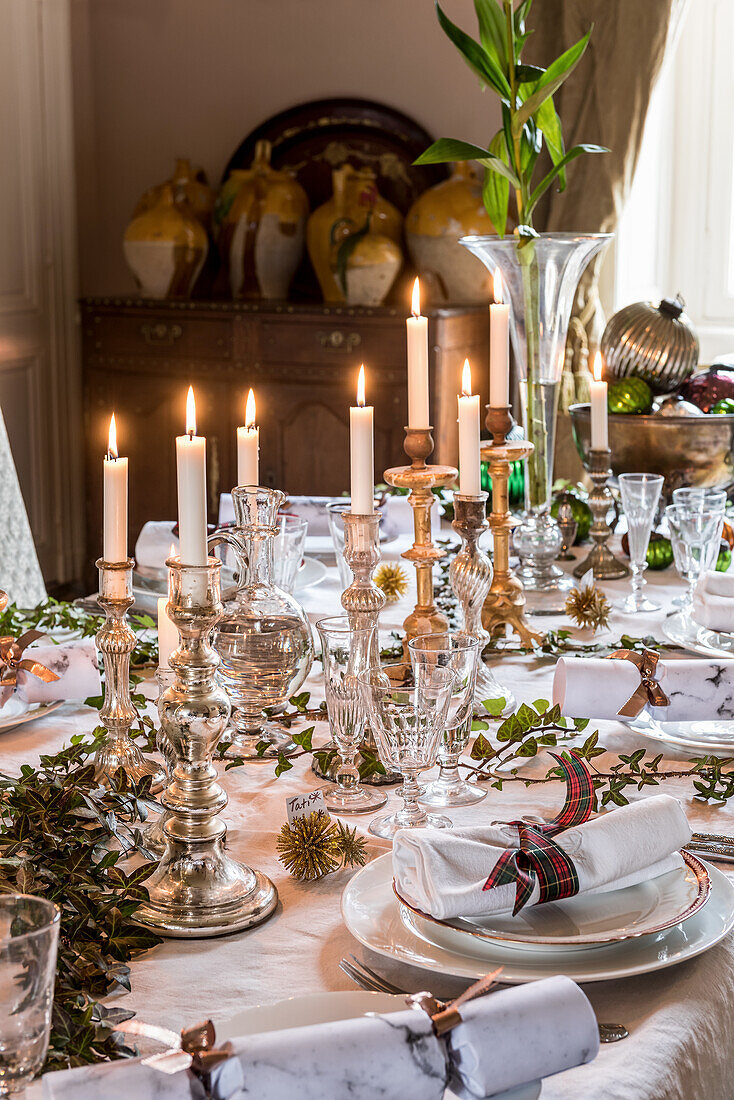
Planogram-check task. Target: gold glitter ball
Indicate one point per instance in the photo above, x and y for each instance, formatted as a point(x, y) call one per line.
point(392, 580)
point(588, 607)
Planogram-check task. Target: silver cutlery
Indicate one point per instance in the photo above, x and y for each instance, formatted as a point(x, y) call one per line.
point(366, 978)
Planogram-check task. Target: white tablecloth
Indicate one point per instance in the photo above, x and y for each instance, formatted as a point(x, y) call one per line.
point(681, 1020)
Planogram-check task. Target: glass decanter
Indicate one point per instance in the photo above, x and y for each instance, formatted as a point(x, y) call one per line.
point(263, 639)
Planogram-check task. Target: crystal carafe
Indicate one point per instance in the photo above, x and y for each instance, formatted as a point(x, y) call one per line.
point(263, 638)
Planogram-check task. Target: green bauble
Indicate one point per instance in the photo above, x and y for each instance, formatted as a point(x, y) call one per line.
point(725, 405)
point(581, 513)
point(629, 395)
point(724, 559)
point(515, 482)
point(659, 552)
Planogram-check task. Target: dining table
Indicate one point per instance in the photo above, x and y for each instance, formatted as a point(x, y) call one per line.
point(680, 1018)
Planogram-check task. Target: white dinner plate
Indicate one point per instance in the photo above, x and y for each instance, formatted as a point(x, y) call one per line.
point(16, 712)
point(682, 631)
point(585, 921)
point(312, 572)
point(372, 914)
point(707, 737)
point(325, 1008)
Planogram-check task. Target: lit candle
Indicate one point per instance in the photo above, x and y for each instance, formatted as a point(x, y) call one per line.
point(167, 632)
point(248, 447)
point(469, 480)
point(191, 471)
point(499, 347)
point(418, 415)
point(115, 501)
point(361, 453)
point(599, 423)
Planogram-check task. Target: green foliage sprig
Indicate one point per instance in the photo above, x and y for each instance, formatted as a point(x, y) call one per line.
point(529, 116)
point(54, 615)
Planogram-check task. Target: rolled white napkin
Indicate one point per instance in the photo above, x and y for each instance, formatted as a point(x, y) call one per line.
point(713, 602)
point(75, 664)
point(519, 1035)
point(443, 872)
point(598, 687)
point(154, 544)
point(122, 1080)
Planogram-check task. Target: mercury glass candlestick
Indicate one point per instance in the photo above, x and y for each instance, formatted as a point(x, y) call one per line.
point(603, 562)
point(505, 602)
point(116, 641)
point(470, 574)
point(153, 834)
point(421, 479)
point(198, 890)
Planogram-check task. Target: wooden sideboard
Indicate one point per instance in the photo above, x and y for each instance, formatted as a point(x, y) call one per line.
point(302, 361)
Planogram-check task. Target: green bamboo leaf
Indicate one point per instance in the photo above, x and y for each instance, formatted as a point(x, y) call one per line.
point(448, 149)
point(485, 67)
point(545, 183)
point(492, 30)
point(528, 73)
point(520, 15)
point(548, 122)
point(496, 189)
point(551, 81)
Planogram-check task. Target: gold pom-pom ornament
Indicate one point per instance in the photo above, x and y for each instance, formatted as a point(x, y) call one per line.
point(392, 580)
point(313, 846)
point(588, 607)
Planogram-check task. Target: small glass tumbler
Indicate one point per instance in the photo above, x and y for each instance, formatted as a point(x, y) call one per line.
point(345, 652)
point(640, 495)
point(335, 510)
point(695, 537)
point(288, 548)
point(407, 723)
point(29, 936)
point(460, 653)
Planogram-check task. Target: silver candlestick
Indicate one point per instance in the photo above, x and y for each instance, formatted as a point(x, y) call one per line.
point(603, 562)
point(197, 889)
point(362, 600)
point(470, 574)
point(116, 641)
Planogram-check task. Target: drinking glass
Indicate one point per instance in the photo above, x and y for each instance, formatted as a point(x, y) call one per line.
point(29, 935)
point(335, 510)
point(288, 548)
point(459, 652)
point(695, 498)
point(407, 723)
point(345, 652)
point(640, 495)
point(695, 537)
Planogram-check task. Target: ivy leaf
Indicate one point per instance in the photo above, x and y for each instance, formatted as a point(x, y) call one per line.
point(304, 738)
point(283, 765)
point(481, 749)
point(494, 706)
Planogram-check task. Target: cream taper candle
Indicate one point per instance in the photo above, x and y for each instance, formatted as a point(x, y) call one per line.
point(115, 501)
point(417, 327)
point(248, 446)
point(469, 473)
point(191, 475)
point(599, 422)
point(361, 453)
point(499, 347)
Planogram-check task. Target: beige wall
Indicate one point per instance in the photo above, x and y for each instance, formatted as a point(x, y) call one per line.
point(156, 79)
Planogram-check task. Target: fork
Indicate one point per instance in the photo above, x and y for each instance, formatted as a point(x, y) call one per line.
point(366, 978)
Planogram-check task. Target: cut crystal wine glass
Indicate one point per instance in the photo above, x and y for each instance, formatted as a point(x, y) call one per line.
point(695, 536)
point(640, 495)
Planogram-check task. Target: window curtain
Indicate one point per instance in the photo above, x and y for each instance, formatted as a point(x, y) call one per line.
point(604, 102)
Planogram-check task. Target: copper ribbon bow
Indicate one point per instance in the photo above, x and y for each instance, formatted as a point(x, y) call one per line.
point(445, 1016)
point(12, 660)
point(194, 1049)
point(649, 690)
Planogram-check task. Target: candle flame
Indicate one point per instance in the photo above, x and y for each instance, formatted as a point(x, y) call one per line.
point(415, 307)
point(190, 413)
point(360, 387)
point(497, 289)
point(466, 379)
point(250, 410)
point(597, 367)
point(112, 451)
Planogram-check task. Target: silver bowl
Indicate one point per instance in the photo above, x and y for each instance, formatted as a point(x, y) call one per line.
point(686, 450)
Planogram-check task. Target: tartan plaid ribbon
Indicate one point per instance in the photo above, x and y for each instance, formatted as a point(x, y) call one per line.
point(648, 689)
point(538, 859)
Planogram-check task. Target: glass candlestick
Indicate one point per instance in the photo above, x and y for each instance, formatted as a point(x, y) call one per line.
point(198, 890)
point(116, 641)
point(470, 574)
point(606, 567)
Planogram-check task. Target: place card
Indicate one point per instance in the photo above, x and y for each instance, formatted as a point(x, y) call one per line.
point(303, 805)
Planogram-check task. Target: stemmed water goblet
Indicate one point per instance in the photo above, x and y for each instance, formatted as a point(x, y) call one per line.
point(697, 498)
point(695, 536)
point(640, 495)
point(408, 722)
point(459, 652)
point(345, 652)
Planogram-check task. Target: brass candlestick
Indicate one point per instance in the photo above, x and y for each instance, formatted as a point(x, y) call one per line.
point(116, 641)
point(421, 479)
point(505, 602)
point(197, 889)
point(601, 559)
point(470, 574)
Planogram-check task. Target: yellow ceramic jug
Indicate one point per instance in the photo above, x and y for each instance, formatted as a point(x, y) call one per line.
point(165, 247)
point(189, 182)
point(261, 214)
point(355, 198)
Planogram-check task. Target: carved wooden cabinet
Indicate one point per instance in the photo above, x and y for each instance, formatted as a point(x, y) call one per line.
point(301, 361)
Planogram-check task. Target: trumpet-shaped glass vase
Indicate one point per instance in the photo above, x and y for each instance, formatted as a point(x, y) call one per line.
point(263, 638)
point(540, 276)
